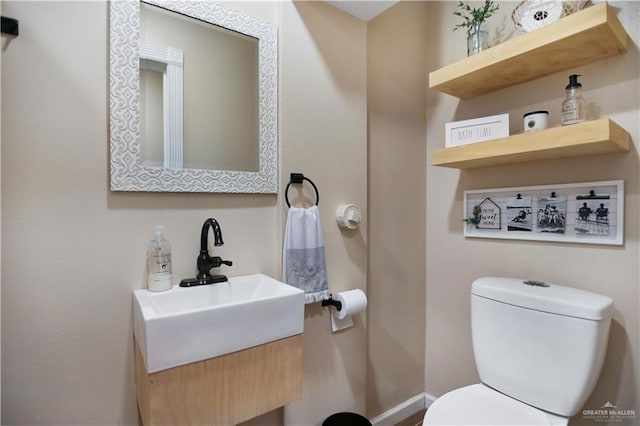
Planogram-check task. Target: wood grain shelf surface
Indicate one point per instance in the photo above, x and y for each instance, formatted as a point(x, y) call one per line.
point(592, 137)
point(586, 36)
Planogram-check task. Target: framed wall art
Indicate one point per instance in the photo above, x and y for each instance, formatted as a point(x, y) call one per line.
point(588, 212)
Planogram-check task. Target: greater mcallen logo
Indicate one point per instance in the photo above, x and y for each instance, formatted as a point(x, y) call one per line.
point(609, 413)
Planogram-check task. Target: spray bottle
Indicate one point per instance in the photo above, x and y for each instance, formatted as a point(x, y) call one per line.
point(573, 109)
point(159, 277)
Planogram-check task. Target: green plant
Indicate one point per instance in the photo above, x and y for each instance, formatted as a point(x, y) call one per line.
point(476, 213)
point(473, 17)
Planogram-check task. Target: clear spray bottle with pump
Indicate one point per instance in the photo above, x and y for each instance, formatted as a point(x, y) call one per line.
point(573, 109)
point(159, 276)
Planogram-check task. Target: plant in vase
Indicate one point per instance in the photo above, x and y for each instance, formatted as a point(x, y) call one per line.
point(473, 20)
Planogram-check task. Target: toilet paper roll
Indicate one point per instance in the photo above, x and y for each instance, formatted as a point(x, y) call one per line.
point(353, 302)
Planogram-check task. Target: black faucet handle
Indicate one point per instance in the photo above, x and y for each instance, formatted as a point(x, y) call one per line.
point(217, 261)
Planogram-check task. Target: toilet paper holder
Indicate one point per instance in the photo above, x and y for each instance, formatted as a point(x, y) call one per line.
point(332, 302)
point(337, 324)
point(348, 304)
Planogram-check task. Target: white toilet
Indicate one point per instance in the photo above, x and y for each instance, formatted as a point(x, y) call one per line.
point(539, 349)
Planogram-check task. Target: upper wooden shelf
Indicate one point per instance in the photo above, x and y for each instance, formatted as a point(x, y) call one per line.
point(592, 137)
point(593, 33)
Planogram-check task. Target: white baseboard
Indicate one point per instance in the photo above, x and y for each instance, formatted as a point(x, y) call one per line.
point(404, 410)
point(430, 399)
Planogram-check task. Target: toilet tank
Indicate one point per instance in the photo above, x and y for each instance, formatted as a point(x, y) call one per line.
point(543, 344)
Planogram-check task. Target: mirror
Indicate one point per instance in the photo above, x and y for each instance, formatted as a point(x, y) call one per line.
point(189, 120)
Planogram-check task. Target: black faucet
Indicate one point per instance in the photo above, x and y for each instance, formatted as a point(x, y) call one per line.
point(206, 262)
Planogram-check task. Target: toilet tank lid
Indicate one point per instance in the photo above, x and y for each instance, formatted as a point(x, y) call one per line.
point(545, 297)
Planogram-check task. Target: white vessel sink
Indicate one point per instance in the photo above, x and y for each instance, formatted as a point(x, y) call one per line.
point(190, 324)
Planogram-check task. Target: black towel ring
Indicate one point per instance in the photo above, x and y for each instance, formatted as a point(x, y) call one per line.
point(300, 178)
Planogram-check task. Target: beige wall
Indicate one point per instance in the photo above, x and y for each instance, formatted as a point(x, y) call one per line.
point(396, 74)
point(72, 251)
point(323, 135)
point(611, 88)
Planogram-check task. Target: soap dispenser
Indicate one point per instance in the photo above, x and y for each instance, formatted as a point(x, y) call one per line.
point(573, 110)
point(159, 276)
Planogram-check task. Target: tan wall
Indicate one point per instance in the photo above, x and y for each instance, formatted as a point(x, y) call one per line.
point(72, 251)
point(323, 134)
point(611, 88)
point(396, 74)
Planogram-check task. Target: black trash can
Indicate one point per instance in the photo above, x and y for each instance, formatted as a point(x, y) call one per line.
point(346, 419)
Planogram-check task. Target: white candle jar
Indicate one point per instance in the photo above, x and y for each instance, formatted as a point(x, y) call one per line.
point(536, 120)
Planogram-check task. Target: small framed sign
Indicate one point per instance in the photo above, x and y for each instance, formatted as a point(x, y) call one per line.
point(476, 130)
point(489, 215)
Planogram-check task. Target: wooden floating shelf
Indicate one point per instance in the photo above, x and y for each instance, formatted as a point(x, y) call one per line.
point(591, 34)
point(592, 137)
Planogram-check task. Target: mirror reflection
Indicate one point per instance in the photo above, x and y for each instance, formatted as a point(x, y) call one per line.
point(219, 97)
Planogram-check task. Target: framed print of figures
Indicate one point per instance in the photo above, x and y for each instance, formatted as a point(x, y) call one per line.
point(588, 212)
point(593, 214)
point(552, 214)
point(519, 217)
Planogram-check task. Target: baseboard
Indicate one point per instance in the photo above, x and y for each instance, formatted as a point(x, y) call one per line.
point(430, 399)
point(403, 410)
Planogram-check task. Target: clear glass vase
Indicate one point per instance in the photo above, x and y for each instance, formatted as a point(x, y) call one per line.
point(477, 40)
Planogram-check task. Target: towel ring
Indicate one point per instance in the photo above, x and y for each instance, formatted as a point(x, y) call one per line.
point(300, 178)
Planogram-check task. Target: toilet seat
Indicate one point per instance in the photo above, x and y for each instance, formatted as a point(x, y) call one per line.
point(481, 405)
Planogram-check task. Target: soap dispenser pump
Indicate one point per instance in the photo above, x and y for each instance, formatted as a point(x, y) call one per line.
point(573, 109)
point(159, 276)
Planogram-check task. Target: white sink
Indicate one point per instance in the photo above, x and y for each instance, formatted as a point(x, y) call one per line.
point(189, 324)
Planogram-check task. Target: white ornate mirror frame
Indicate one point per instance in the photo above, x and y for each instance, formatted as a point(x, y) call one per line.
point(127, 171)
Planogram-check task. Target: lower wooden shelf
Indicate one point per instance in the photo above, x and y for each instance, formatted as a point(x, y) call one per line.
point(601, 136)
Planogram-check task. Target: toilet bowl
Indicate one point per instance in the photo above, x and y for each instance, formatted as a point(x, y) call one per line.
point(486, 406)
point(539, 350)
